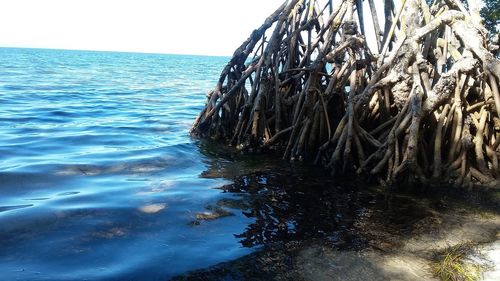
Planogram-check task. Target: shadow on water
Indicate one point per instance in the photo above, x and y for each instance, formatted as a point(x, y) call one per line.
point(294, 202)
point(290, 207)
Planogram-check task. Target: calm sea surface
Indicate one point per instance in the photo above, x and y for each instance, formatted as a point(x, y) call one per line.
point(99, 179)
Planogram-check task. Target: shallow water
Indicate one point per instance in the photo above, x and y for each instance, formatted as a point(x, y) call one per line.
point(98, 176)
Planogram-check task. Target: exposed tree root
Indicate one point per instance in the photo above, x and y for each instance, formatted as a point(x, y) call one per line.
point(421, 106)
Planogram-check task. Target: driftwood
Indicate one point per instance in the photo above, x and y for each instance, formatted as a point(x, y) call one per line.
point(422, 105)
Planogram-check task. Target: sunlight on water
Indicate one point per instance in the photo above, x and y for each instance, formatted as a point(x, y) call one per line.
point(98, 176)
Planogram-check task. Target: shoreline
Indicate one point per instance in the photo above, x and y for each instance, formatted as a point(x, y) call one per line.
point(395, 250)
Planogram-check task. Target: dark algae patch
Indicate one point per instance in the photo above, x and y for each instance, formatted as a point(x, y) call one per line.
point(293, 208)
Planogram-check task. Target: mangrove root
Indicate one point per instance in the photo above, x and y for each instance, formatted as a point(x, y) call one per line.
point(418, 103)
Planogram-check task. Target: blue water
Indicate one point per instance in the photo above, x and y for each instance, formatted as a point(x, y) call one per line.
point(99, 179)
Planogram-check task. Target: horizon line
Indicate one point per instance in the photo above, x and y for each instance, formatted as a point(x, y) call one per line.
point(112, 51)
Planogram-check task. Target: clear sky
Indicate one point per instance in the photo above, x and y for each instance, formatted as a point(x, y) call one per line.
point(211, 27)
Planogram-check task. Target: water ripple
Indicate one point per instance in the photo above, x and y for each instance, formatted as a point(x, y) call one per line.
point(98, 177)
point(8, 208)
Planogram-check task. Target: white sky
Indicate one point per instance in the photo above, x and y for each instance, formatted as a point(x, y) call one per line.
point(208, 27)
point(157, 26)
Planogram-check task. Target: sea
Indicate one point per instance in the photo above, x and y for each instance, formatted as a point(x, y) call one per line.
point(99, 178)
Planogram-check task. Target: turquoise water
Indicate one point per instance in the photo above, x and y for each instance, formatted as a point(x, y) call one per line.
point(99, 179)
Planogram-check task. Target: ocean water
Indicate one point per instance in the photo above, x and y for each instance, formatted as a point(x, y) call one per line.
point(99, 179)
